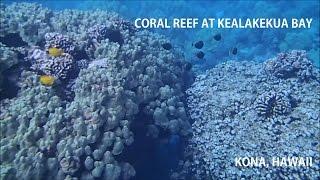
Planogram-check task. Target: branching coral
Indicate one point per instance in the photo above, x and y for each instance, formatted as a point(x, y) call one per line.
point(59, 67)
point(59, 41)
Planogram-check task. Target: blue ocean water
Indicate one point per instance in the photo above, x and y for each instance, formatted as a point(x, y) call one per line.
point(252, 44)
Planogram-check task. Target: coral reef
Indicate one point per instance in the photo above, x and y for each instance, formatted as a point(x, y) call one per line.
point(292, 64)
point(273, 103)
point(99, 33)
point(124, 77)
point(239, 111)
point(24, 129)
point(16, 19)
point(59, 67)
point(95, 84)
point(59, 41)
point(8, 58)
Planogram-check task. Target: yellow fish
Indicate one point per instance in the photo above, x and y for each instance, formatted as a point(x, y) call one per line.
point(47, 80)
point(55, 52)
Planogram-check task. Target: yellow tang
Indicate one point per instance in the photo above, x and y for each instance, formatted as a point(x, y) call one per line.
point(47, 80)
point(55, 52)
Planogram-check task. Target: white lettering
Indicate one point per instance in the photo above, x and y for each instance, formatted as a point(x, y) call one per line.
point(221, 23)
point(205, 23)
point(301, 162)
point(250, 161)
point(292, 161)
point(237, 160)
point(275, 161)
point(136, 23)
point(284, 23)
point(309, 21)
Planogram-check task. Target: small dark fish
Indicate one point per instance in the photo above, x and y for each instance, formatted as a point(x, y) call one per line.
point(188, 66)
point(167, 46)
point(234, 51)
point(198, 44)
point(115, 36)
point(200, 54)
point(217, 37)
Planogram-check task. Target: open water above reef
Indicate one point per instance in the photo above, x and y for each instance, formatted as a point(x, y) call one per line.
point(252, 44)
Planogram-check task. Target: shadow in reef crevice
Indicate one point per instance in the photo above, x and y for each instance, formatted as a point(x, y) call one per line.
point(152, 158)
point(12, 40)
point(10, 75)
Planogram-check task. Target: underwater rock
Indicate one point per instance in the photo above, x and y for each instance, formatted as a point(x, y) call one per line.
point(32, 28)
point(188, 66)
point(102, 32)
point(291, 64)
point(108, 95)
point(116, 37)
point(251, 115)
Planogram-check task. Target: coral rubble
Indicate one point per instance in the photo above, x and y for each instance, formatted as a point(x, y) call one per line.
point(250, 109)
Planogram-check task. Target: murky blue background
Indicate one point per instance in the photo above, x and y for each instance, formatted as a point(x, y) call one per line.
point(252, 44)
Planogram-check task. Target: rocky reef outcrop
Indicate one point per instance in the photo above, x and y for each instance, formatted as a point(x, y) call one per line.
point(117, 77)
point(250, 109)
